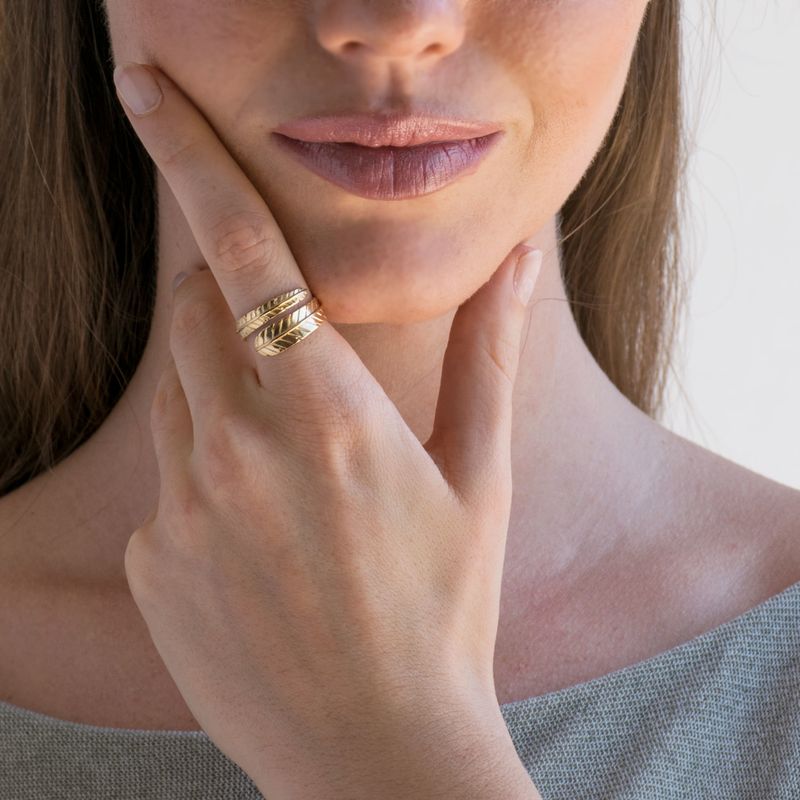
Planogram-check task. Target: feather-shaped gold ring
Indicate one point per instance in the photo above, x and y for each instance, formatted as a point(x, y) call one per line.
point(303, 320)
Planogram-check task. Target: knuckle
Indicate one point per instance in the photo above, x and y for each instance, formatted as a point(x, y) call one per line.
point(188, 314)
point(144, 564)
point(159, 549)
point(231, 449)
point(128, 556)
point(177, 153)
point(136, 551)
point(500, 356)
point(245, 244)
point(167, 392)
point(340, 408)
point(337, 427)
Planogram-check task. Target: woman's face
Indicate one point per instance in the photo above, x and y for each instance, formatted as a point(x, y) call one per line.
point(550, 73)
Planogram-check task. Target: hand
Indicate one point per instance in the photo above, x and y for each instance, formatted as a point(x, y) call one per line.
point(323, 589)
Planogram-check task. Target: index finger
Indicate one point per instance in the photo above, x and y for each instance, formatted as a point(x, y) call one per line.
point(235, 230)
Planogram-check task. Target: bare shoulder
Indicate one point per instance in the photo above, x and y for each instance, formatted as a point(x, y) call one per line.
point(744, 511)
point(712, 540)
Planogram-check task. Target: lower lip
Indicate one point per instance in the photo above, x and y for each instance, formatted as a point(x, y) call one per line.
point(391, 173)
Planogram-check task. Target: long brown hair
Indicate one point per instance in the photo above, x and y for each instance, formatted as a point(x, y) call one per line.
point(78, 239)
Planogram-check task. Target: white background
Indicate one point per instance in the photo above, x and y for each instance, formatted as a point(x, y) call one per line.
point(736, 387)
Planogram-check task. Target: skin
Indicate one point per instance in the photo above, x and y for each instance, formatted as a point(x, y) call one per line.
point(599, 488)
point(372, 261)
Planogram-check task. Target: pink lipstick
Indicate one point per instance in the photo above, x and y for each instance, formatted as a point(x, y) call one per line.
point(388, 157)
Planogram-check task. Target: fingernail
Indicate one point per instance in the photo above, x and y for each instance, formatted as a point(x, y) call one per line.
point(526, 273)
point(138, 88)
point(177, 280)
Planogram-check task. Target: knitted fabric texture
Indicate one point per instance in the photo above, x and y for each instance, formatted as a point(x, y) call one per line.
point(715, 718)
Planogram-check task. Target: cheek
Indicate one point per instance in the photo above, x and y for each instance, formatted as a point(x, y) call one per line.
point(212, 49)
point(573, 57)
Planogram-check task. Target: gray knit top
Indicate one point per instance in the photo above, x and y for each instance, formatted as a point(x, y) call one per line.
point(715, 718)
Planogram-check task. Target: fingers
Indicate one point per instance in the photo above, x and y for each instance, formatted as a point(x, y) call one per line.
point(171, 426)
point(471, 438)
point(212, 362)
point(232, 224)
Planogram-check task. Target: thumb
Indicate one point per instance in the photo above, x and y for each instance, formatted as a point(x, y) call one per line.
point(471, 438)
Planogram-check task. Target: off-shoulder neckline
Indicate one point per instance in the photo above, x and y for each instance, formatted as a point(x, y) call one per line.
point(513, 707)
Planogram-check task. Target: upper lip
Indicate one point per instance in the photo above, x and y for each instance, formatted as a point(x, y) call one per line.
point(382, 130)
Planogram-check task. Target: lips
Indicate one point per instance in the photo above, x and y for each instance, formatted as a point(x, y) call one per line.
point(390, 172)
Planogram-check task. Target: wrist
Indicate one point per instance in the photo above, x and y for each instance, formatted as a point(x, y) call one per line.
point(460, 754)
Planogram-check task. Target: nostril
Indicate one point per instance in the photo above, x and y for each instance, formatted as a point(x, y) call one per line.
point(432, 49)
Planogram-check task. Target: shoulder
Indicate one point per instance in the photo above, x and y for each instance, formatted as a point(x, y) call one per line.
point(749, 516)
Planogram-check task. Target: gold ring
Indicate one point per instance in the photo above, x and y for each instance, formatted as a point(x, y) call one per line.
point(303, 320)
point(253, 320)
point(293, 328)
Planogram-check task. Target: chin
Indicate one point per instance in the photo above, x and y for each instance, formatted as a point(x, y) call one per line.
point(393, 271)
point(363, 299)
point(365, 286)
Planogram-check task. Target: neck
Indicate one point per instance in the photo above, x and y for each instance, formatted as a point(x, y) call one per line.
point(582, 454)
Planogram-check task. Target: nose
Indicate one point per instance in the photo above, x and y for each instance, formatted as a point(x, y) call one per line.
point(368, 32)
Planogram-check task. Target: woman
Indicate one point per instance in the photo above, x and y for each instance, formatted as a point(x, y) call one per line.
point(252, 597)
